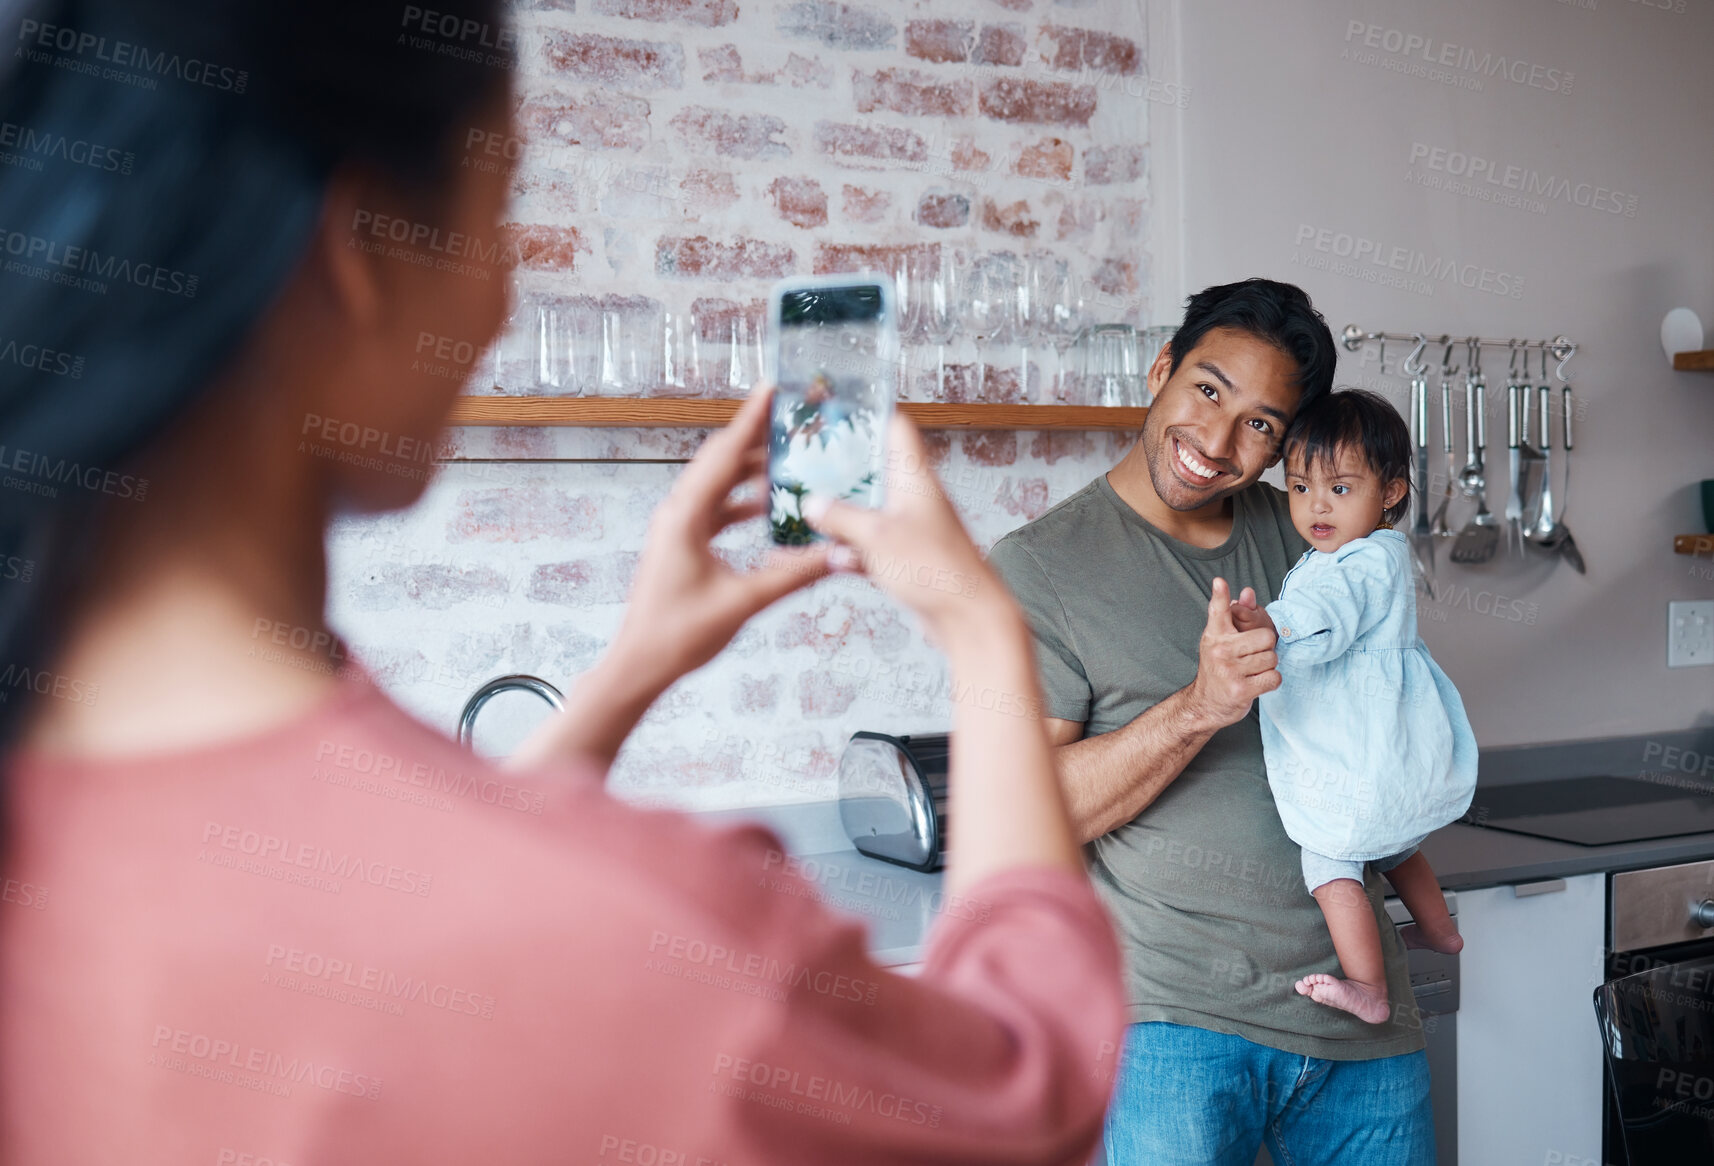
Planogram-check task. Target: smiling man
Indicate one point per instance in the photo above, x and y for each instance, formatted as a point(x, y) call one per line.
point(1151, 695)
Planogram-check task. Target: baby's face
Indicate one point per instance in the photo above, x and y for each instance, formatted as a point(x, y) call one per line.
point(1331, 505)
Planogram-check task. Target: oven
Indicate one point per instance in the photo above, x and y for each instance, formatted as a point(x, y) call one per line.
point(1655, 1008)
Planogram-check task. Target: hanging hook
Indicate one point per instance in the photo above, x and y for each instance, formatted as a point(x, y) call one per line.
point(1512, 360)
point(1569, 349)
point(1383, 354)
point(1544, 360)
point(1412, 364)
point(1447, 368)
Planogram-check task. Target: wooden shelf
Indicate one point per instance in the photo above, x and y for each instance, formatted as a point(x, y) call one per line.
point(1693, 544)
point(710, 413)
point(1702, 361)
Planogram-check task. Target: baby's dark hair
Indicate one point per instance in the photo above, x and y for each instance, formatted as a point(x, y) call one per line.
point(1361, 420)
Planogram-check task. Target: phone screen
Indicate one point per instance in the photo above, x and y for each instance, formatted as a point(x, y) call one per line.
point(836, 375)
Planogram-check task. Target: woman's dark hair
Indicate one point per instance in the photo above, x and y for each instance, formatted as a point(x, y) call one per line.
point(1279, 313)
point(1356, 419)
point(169, 161)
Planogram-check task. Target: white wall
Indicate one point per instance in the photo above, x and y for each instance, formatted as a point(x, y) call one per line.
point(1284, 132)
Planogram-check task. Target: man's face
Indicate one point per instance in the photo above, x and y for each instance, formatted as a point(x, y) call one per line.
point(1216, 423)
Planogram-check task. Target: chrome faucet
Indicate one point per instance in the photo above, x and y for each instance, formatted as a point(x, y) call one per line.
point(535, 684)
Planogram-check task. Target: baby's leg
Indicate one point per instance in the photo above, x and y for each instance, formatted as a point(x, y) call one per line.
point(1414, 880)
point(1356, 939)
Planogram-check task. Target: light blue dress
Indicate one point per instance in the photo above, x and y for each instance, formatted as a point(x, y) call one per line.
point(1367, 744)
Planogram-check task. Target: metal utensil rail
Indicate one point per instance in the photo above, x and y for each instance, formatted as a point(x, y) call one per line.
point(1534, 513)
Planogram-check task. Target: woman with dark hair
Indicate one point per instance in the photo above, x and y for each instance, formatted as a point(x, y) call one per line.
point(225, 226)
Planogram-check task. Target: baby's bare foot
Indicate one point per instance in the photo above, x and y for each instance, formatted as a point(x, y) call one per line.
point(1446, 942)
point(1367, 1003)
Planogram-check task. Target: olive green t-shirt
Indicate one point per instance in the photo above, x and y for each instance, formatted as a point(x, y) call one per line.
point(1205, 889)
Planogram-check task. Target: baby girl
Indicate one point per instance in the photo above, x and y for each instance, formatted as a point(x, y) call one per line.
point(1367, 745)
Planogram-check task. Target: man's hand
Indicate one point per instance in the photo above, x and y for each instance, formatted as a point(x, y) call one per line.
point(1236, 664)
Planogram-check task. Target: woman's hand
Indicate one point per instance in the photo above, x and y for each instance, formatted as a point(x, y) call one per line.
point(686, 603)
point(1007, 810)
point(914, 547)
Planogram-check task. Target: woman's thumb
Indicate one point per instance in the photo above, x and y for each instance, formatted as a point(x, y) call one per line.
point(841, 520)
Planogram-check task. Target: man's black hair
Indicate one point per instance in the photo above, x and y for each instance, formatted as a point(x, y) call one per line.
point(1279, 313)
point(1364, 421)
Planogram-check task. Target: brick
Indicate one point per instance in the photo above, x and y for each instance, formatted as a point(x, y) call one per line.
point(614, 61)
point(864, 206)
point(583, 582)
point(756, 694)
point(803, 72)
point(838, 26)
point(1104, 165)
point(1078, 218)
point(1130, 214)
point(1084, 48)
point(513, 514)
point(710, 191)
point(609, 120)
point(966, 155)
point(643, 192)
point(1051, 445)
point(940, 41)
point(742, 258)
point(990, 447)
point(1037, 102)
point(961, 384)
point(1002, 385)
point(434, 586)
point(1026, 498)
point(943, 209)
point(1050, 158)
point(1014, 219)
point(714, 317)
point(800, 201)
point(910, 92)
point(751, 136)
point(722, 63)
point(835, 623)
point(838, 258)
point(999, 44)
point(1116, 277)
point(544, 248)
point(884, 143)
point(706, 13)
point(821, 695)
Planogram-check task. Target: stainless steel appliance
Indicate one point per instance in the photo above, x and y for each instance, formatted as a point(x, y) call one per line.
point(1656, 1013)
point(892, 797)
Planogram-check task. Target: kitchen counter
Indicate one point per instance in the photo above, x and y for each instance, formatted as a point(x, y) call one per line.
point(899, 904)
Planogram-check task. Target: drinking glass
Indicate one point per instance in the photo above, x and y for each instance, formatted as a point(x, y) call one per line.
point(680, 356)
point(1111, 372)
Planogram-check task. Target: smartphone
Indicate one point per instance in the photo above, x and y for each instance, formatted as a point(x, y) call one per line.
point(835, 344)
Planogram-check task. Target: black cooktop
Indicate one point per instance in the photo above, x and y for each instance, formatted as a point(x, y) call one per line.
point(1598, 811)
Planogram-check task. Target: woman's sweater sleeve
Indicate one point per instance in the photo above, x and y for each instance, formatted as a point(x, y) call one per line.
point(1002, 1050)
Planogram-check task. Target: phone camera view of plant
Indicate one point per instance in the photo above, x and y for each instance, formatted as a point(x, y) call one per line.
point(829, 417)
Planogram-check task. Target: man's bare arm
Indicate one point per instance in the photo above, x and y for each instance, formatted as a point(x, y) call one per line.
point(1112, 777)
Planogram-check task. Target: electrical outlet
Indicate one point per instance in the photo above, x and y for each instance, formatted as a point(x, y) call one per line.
point(1689, 633)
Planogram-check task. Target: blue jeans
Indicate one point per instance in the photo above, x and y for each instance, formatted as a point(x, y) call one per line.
point(1190, 1097)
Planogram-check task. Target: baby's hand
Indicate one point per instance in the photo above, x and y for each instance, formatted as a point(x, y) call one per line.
point(1246, 618)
